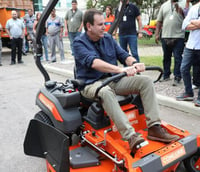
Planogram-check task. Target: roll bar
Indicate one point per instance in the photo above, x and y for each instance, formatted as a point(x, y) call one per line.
point(37, 44)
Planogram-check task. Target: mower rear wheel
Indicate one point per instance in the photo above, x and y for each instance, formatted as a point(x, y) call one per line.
point(190, 163)
point(41, 116)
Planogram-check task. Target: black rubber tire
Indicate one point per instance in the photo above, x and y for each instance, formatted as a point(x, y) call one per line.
point(43, 117)
point(189, 162)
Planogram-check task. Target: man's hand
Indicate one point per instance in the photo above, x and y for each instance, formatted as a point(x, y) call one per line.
point(140, 35)
point(130, 71)
point(157, 32)
point(61, 35)
point(136, 68)
point(157, 38)
point(140, 67)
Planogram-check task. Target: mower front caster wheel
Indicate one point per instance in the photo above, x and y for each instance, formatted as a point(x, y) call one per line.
point(192, 164)
point(41, 116)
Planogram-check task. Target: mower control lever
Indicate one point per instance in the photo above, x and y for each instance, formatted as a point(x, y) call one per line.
point(120, 75)
point(105, 133)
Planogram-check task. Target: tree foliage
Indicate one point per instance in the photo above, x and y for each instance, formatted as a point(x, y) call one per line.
point(149, 7)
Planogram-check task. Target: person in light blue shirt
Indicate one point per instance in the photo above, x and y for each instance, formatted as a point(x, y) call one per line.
point(54, 30)
point(15, 29)
point(191, 54)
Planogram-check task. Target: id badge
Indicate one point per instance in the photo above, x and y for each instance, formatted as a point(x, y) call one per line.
point(171, 17)
point(124, 18)
point(72, 19)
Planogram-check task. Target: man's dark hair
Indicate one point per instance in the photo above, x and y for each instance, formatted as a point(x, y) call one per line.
point(89, 17)
point(74, 1)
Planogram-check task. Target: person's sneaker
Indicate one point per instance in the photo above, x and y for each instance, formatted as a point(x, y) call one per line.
point(12, 63)
point(195, 87)
point(134, 143)
point(197, 102)
point(20, 61)
point(185, 97)
point(158, 133)
point(24, 53)
point(176, 82)
point(53, 61)
point(64, 62)
point(165, 79)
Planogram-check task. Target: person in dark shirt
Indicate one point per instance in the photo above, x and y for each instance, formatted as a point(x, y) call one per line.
point(128, 33)
point(96, 55)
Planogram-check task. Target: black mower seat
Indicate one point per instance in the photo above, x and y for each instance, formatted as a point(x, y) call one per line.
point(86, 101)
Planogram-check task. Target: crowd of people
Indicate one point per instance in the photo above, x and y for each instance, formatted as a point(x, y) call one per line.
point(22, 30)
point(173, 20)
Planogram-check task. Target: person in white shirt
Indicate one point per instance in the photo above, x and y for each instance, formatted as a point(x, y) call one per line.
point(191, 54)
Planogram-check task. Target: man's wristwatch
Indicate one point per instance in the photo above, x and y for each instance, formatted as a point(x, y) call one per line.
point(134, 62)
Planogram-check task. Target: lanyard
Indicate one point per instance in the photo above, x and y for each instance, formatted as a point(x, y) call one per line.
point(172, 8)
point(73, 13)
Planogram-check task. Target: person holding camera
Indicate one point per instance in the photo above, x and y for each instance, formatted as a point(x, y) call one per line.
point(170, 18)
point(191, 53)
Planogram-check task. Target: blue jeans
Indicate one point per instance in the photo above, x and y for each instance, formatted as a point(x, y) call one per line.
point(131, 40)
point(196, 72)
point(45, 45)
point(72, 36)
point(177, 50)
point(189, 58)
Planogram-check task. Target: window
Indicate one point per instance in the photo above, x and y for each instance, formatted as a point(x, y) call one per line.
point(38, 5)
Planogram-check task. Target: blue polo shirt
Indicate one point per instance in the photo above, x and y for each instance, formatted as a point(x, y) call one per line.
point(85, 51)
point(127, 25)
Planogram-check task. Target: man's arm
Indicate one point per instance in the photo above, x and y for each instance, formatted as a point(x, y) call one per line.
point(8, 30)
point(157, 32)
point(66, 30)
point(80, 28)
point(187, 6)
point(103, 66)
point(61, 32)
point(194, 24)
point(139, 20)
point(34, 26)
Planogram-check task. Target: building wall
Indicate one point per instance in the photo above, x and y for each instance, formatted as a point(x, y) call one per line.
point(64, 5)
point(23, 4)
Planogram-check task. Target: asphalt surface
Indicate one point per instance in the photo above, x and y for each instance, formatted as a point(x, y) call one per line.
point(18, 87)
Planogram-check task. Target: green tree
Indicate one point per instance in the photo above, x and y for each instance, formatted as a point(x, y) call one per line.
point(150, 7)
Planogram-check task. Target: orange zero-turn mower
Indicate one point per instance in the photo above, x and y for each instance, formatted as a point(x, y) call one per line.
point(75, 134)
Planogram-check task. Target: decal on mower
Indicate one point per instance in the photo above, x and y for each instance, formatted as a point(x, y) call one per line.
point(132, 119)
point(170, 157)
point(50, 105)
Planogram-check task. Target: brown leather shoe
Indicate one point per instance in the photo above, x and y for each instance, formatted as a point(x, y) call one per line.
point(134, 142)
point(158, 133)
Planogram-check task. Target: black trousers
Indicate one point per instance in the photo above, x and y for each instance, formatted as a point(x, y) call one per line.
point(16, 46)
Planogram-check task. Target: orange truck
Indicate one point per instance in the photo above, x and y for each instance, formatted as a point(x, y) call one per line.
point(6, 7)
